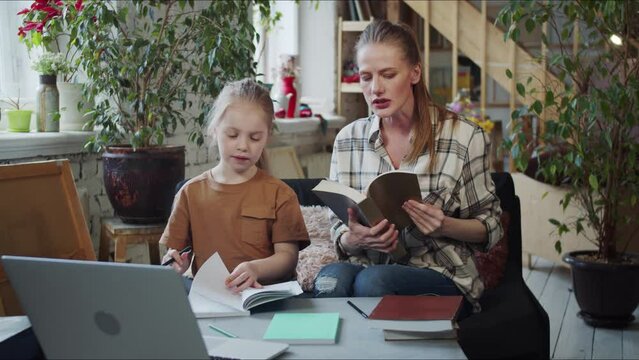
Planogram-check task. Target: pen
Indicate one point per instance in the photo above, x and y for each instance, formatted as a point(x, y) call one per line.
point(357, 309)
point(172, 260)
point(221, 331)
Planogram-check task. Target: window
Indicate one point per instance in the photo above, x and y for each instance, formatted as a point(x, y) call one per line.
point(282, 39)
point(16, 74)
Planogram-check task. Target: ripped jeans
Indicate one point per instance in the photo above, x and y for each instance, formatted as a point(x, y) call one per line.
point(348, 280)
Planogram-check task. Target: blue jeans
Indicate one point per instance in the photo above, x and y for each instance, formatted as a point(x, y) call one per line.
point(350, 280)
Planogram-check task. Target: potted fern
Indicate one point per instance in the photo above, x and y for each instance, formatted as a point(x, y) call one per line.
point(151, 66)
point(590, 144)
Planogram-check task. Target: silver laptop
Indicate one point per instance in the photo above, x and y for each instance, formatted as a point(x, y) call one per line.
point(88, 309)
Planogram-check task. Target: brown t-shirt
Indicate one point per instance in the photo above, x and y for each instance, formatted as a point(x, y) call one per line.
point(241, 222)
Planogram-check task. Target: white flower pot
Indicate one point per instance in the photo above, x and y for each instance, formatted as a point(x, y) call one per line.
point(72, 119)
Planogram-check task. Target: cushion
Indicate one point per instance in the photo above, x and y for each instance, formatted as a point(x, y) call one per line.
point(492, 264)
point(321, 251)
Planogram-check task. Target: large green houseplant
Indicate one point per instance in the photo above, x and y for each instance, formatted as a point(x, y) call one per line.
point(151, 66)
point(590, 144)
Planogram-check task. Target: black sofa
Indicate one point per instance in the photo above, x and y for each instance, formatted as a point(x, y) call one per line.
point(512, 323)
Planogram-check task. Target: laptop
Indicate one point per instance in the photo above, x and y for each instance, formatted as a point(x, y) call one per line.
point(88, 309)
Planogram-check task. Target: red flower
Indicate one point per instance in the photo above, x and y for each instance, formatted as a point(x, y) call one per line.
point(29, 26)
point(43, 11)
point(51, 12)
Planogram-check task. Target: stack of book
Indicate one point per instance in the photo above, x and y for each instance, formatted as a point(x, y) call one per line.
point(417, 317)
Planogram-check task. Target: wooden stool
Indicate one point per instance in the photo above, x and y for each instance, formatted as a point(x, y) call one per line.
point(113, 229)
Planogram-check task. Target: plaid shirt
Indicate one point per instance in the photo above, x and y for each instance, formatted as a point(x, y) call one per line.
point(460, 185)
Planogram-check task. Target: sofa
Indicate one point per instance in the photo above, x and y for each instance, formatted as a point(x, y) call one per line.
point(512, 323)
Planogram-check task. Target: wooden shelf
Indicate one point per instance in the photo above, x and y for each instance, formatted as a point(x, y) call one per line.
point(353, 88)
point(354, 25)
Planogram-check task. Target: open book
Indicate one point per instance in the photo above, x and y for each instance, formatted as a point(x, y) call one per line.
point(209, 296)
point(383, 200)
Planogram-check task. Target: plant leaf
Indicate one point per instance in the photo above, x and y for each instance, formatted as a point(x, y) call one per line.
point(558, 246)
point(521, 89)
point(594, 184)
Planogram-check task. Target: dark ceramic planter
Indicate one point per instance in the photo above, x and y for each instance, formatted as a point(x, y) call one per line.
point(607, 294)
point(141, 184)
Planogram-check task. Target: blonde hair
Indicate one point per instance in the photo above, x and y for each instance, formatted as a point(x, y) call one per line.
point(403, 37)
point(245, 90)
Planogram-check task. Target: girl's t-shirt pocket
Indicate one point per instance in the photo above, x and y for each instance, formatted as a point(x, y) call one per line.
point(256, 222)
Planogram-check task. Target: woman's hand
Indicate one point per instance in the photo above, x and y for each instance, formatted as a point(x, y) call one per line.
point(428, 218)
point(243, 276)
point(381, 237)
point(181, 263)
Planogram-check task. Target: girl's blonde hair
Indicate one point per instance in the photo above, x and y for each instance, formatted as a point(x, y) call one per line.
point(245, 90)
point(403, 37)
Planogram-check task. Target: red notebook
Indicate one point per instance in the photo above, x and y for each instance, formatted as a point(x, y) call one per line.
point(416, 307)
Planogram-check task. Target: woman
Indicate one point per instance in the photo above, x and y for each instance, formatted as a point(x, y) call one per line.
point(460, 211)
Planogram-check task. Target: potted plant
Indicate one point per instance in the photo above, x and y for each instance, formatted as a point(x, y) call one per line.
point(590, 143)
point(18, 119)
point(47, 96)
point(152, 65)
point(46, 26)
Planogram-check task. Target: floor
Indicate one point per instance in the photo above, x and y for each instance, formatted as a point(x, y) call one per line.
point(570, 337)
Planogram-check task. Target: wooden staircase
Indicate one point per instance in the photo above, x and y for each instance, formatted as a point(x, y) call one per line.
point(470, 31)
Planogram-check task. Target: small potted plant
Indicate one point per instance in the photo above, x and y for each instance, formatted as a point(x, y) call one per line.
point(48, 65)
point(46, 24)
point(19, 119)
point(590, 142)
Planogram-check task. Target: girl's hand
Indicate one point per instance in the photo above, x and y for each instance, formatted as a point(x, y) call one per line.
point(181, 263)
point(381, 237)
point(428, 218)
point(242, 277)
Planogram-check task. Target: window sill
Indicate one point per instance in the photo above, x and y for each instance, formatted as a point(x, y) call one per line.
point(305, 125)
point(34, 144)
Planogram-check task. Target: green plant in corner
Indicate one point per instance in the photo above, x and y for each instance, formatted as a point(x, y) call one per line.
point(152, 65)
point(591, 142)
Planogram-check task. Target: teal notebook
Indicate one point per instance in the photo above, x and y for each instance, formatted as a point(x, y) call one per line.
point(303, 328)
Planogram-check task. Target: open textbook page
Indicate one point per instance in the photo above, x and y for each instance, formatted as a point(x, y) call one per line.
point(209, 296)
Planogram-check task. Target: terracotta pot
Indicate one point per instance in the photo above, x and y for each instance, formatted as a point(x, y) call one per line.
point(607, 294)
point(141, 184)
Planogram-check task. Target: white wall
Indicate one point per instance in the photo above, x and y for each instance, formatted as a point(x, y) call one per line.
point(317, 51)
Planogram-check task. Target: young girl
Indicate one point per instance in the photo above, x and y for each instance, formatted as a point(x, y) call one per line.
point(236, 209)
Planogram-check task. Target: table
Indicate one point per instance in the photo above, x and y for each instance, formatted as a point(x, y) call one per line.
point(113, 229)
point(355, 339)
